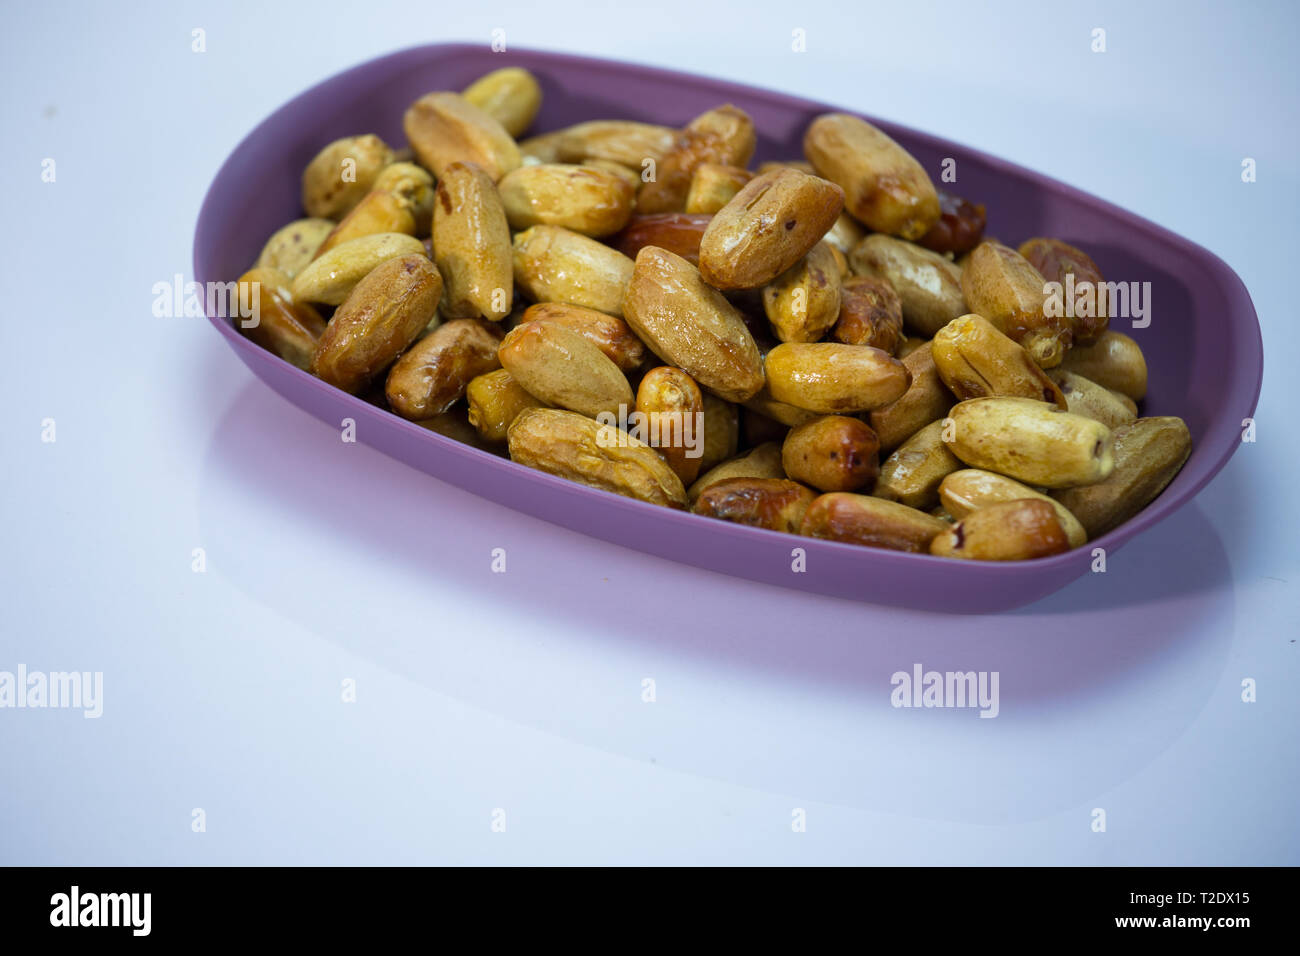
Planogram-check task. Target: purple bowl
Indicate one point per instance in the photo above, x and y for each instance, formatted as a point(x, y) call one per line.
point(1203, 345)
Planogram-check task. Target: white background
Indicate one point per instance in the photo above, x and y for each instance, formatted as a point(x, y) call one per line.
point(478, 691)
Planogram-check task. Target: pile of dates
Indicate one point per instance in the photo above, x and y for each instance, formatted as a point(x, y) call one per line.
point(831, 343)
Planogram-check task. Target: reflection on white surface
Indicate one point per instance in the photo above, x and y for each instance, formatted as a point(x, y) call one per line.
point(761, 687)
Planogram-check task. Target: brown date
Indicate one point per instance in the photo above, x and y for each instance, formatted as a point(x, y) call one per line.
point(678, 232)
point(960, 227)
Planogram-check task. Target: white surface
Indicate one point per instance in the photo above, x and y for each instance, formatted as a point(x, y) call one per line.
point(475, 692)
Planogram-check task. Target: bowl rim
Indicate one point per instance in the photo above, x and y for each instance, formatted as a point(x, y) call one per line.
point(1247, 365)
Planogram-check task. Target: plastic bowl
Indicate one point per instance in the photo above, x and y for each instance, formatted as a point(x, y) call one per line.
point(1203, 343)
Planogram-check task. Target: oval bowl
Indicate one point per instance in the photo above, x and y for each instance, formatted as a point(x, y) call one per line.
point(1203, 331)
